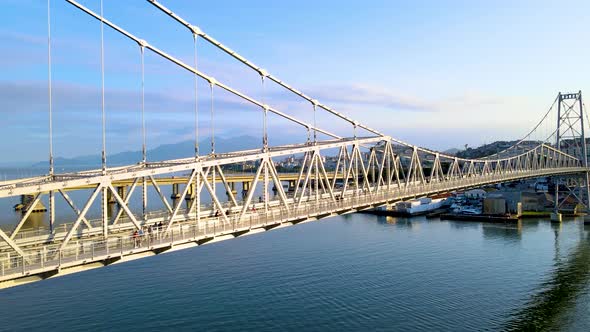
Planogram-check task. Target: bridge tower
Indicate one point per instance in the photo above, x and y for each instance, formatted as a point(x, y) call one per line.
point(571, 139)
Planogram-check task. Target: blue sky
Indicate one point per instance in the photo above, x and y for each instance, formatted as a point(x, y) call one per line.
point(439, 74)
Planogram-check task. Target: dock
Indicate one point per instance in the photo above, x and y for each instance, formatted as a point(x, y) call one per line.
point(478, 217)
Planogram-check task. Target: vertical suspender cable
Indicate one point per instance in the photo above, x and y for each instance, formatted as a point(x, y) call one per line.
point(50, 105)
point(264, 146)
point(104, 142)
point(51, 166)
point(545, 132)
point(143, 139)
point(264, 119)
point(315, 132)
point(143, 134)
point(550, 132)
point(195, 36)
point(212, 122)
point(105, 216)
point(213, 181)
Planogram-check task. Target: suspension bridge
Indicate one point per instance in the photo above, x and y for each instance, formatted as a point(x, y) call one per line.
point(370, 169)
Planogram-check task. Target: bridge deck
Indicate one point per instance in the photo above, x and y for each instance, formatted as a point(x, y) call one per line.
point(91, 251)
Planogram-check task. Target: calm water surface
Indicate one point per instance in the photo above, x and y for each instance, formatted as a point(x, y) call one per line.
point(348, 273)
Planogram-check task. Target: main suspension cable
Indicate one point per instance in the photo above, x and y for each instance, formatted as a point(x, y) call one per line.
point(258, 69)
point(193, 70)
point(528, 135)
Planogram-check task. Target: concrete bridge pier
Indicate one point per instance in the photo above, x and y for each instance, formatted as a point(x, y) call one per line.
point(245, 188)
point(556, 217)
point(110, 198)
point(26, 199)
point(190, 194)
point(372, 176)
point(175, 193)
point(232, 187)
point(26, 202)
point(122, 192)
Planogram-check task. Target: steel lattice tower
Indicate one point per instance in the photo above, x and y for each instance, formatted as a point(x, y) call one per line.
point(570, 138)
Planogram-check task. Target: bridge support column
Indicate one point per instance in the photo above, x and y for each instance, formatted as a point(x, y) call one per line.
point(144, 198)
point(26, 204)
point(265, 196)
point(232, 187)
point(51, 210)
point(198, 198)
point(122, 191)
point(25, 201)
point(175, 194)
point(556, 217)
point(372, 176)
point(105, 211)
point(110, 199)
point(245, 187)
point(190, 194)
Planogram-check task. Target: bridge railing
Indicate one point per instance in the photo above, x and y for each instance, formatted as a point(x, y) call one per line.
point(92, 250)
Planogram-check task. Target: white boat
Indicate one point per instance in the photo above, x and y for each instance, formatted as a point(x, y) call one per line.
point(420, 206)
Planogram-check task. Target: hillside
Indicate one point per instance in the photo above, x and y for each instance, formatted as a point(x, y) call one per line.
point(485, 150)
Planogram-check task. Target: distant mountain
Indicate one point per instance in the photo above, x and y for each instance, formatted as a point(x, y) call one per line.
point(163, 152)
point(452, 151)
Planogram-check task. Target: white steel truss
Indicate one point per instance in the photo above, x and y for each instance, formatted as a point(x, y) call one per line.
point(337, 176)
point(363, 166)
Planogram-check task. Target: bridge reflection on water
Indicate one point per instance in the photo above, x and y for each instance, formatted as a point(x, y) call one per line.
point(564, 292)
point(559, 294)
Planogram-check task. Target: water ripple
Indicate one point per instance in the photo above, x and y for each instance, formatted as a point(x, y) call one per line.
point(348, 273)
